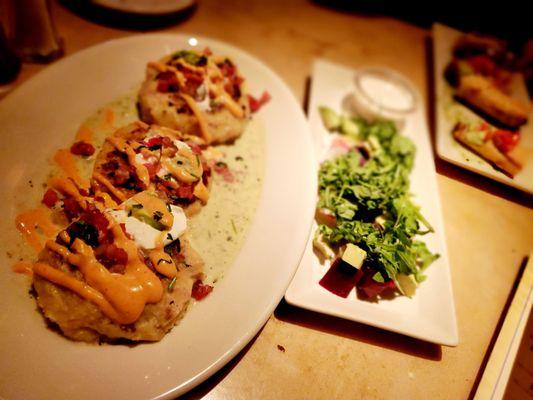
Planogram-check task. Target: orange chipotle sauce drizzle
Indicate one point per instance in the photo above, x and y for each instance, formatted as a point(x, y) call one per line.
point(23, 267)
point(121, 297)
point(65, 160)
point(84, 134)
point(98, 177)
point(123, 146)
point(34, 224)
point(108, 119)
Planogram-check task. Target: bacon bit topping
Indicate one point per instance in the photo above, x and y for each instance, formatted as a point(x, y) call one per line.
point(50, 198)
point(200, 291)
point(111, 255)
point(256, 104)
point(82, 148)
point(71, 208)
point(167, 82)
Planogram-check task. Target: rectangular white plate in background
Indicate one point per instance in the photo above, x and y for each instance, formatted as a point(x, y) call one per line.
point(430, 314)
point(448, 149)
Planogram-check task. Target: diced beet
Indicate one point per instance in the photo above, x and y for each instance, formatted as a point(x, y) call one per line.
point(50, 198)
point(82, 149)
point(340, 279)
point(200, 291)
point(369, 288)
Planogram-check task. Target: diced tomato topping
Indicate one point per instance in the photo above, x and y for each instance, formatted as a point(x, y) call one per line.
point(196, 148)
point(200, 291)
point(206, 174)
point(50, 198)
point(157, 140)
point(82, 149)
point(185, 192)
point(167, 82)
point(166, 141)
point(256, 104)
point(110, 255)
point(153, 168)
point(504, 140)
point(95, 218)
point(227, 68)
point(116, 255)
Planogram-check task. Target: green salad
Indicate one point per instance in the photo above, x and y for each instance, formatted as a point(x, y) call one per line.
point(365, 213)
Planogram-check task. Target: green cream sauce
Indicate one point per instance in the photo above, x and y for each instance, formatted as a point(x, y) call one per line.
point(218, 231)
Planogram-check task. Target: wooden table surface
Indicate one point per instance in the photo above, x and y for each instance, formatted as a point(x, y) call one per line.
point(489, 227)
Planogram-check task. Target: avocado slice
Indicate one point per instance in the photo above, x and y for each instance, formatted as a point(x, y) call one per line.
point(331, 120)
point(139, 212)
point(407, 284)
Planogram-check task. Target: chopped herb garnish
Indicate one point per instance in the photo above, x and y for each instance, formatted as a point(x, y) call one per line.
point(163, 260)
point(191, 57)
point(167, 177)
point(197, 160)
point(171, 284)
point(169, 236)
point(233, 226)
point(137, 206)
point(158, 215)
point(168, 207)
point(221, 164)
point(179, 162)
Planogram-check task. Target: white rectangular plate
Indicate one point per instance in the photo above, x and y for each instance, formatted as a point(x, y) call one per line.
point(445, 107)
point(430, 314)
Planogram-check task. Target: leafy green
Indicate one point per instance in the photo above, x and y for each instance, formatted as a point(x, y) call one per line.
point(191, 57)
point(359, 190)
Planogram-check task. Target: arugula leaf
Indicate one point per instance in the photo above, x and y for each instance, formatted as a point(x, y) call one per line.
point(359, 192)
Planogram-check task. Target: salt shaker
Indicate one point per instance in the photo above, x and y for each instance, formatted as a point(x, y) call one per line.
point(34, 35)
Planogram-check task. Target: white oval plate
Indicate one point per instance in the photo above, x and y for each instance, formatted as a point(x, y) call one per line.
point(41, 116)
